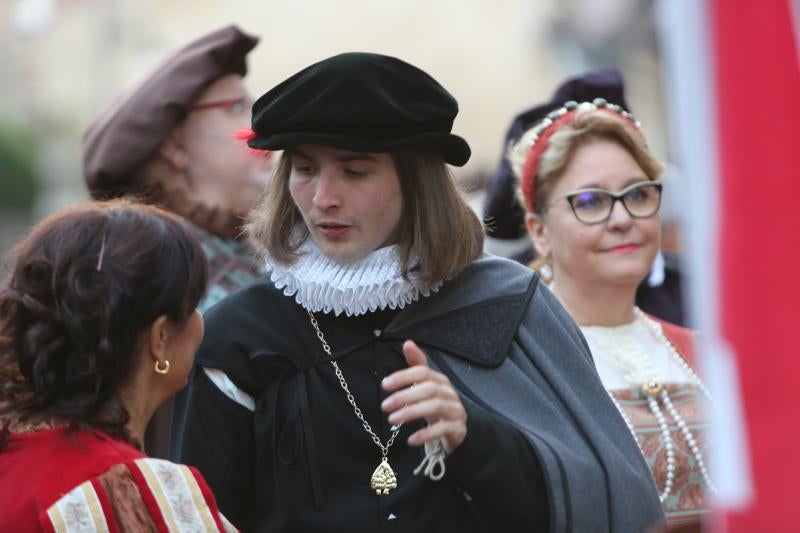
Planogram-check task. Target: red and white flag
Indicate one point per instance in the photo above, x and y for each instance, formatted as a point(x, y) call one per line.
point(733, 70)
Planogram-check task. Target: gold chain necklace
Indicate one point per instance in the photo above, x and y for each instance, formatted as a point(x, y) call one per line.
point(383, 478)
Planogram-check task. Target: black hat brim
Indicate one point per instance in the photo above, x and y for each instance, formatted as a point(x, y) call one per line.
point(454, 149)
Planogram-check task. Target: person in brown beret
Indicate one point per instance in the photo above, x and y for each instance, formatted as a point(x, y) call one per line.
point(170, 140)
point(386, 374)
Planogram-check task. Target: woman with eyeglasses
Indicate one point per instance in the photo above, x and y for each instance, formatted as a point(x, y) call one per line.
point(592, 193)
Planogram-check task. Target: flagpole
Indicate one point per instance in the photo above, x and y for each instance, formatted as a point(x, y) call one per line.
point(685, 38)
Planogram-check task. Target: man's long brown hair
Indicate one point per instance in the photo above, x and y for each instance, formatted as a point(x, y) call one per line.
point(438, 235)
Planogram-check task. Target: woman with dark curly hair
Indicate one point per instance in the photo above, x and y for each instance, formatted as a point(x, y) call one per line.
point(98, 327)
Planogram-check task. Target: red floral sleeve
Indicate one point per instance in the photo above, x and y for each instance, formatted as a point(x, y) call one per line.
point(142, 495)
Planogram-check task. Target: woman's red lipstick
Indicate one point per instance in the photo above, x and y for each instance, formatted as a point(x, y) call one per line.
point(625, 248)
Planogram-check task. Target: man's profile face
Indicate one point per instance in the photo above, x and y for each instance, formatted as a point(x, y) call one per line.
point(220, 165)
point(350, 201)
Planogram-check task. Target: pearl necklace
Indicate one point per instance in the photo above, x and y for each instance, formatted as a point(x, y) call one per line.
point(653, 389)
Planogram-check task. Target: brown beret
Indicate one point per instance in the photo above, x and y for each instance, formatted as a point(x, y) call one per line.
point(121, 141)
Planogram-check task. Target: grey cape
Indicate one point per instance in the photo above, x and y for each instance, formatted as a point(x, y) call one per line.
point(535, 369)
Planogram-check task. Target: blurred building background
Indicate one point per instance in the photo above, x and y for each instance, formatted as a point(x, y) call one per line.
point(64, 61)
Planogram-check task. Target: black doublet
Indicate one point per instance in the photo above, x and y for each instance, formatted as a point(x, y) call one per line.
point(302, 461)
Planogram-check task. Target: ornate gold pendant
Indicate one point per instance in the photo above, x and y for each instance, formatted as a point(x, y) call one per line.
point(383, 478)
point(652, 388)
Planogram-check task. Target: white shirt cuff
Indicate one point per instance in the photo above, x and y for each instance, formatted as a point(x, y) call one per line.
point(226, 386)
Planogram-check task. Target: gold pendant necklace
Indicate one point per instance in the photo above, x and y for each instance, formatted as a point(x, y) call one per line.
point(383, 478)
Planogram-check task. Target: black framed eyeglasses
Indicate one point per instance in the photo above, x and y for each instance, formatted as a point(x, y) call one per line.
point(594, 206)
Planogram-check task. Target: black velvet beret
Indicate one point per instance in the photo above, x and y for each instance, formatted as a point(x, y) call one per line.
point(504, 215)
point(123, 139)
point(361, 102)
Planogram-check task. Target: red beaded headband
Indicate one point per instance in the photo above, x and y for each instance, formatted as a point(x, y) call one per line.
point(545, 129)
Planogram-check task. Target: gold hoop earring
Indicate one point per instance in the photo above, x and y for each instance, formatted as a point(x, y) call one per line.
point(160, 370)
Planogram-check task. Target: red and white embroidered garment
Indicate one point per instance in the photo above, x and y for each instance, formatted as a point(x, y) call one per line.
point(62, 480)
point(618, 353)
point(143, 495)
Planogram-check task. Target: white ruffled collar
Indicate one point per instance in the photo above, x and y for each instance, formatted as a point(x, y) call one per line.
point(319, 284)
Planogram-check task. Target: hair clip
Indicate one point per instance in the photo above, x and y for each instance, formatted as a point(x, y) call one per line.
point(102, 253)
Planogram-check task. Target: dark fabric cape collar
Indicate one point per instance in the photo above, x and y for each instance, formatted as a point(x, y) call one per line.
point(473, 316)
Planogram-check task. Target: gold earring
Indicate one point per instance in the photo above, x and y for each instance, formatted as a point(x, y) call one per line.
point(160, 370)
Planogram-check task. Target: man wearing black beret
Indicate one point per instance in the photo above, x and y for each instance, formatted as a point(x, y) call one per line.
point(386, 374)
point(169, 140)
